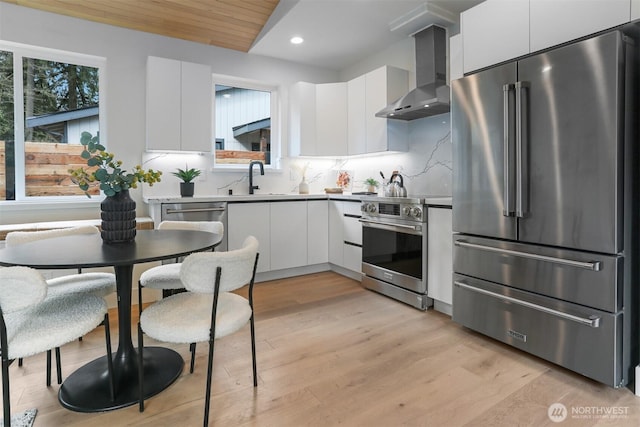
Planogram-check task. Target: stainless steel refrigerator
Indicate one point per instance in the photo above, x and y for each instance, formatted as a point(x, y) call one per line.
point(543, 211)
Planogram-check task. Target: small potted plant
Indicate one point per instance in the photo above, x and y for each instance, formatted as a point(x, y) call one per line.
point(371, 185)
point(187, 175)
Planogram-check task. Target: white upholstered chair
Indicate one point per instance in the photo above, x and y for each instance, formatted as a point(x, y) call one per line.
point(166, 277)
point(32, 322)
point(208, 310)
point(97, 283)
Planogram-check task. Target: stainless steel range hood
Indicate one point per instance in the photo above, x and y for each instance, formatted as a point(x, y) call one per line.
point(431, 95)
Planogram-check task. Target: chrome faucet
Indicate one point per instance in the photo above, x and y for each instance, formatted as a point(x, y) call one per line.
point(251, 186)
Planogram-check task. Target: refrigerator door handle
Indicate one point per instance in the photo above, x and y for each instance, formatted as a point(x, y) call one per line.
point(521, 148)
point(508, 205)
point(587, 265)
point(592, 321)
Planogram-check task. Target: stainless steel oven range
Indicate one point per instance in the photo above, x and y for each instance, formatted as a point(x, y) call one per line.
point(394, 248)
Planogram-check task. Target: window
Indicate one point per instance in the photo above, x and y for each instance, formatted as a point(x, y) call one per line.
point(245, 123)
point(47, 99)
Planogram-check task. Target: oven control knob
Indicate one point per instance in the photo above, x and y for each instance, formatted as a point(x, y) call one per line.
point(371, 208)
point(406, 211)
point(416, 212)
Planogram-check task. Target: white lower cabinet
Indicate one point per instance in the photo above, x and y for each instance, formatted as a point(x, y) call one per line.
point(345, 234)
point(317, 232)
point(291, 233)
point(440, 254)
point(250, 219)
point(288, 235)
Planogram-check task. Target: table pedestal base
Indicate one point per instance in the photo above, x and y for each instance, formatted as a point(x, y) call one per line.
point(87, 389)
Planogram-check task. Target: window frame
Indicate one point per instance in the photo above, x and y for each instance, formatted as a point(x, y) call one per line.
point(19, 51)
point(276, 120)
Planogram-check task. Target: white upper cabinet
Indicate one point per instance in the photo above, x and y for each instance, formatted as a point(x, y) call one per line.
point(367, 95)
point(302, 119)
point(499, 30)
point(455, 57)
point(331, 119)
point(384, 86)
point(494, 31)
point(178, 105)
point(555, 22)
point(338, 119)
point(356, 114)
point(318, 119)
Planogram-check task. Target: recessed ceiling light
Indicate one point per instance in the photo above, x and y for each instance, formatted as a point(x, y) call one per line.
point(426, 105)
point(226, 95)
point(296, 40)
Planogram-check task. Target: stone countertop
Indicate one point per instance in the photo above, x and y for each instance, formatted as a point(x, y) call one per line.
point(267, 197)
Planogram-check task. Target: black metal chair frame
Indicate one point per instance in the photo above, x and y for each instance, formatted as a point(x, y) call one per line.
point(6, 398)
point(212, 335)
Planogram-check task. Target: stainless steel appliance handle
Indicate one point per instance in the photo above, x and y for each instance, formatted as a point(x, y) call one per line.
point(592, 321)
point(390, 226)
point(507, 208)
point(173, 211)
point(589, 265)
point(521, 147)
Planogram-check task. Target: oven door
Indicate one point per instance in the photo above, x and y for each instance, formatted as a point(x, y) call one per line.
point(395, 253)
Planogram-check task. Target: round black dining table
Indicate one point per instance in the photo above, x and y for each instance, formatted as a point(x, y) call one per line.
point(87, 389)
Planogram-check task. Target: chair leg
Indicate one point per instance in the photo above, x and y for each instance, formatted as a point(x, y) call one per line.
point(192, 348)
point(6, 401)
point(140, 368)
point(58, 365)
point(253, 352)
point(207, 398)
point(48, 368)
point(139, 298)
point(107, 334)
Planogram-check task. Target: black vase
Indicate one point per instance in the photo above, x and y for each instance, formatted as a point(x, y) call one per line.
point(118, 215)
point(186, 189)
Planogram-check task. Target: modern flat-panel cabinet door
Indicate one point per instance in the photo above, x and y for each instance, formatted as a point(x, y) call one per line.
point(250, 219)
point(494, 31)
point(179, 105)
point(288, 235)
point(482, 203)
point(331, 119)
point(635, 10)
point(164, 97)
point(440, 254)
point(317, 232)
point(556, 22)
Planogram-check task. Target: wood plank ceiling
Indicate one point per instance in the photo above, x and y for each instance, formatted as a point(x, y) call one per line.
point(232, 24)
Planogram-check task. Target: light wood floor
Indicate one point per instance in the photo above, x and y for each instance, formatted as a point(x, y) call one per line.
point(331, 353)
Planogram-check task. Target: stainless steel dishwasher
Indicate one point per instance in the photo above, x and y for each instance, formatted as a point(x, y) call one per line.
point(197, 211)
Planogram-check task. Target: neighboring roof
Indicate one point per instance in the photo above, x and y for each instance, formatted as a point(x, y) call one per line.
point(251, 127)
point(62, 116)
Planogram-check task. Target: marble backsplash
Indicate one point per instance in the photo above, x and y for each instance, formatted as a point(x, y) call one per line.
point(426, 168)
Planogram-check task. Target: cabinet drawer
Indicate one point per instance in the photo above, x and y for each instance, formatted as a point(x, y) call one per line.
point(589, 279)
point(587, 341)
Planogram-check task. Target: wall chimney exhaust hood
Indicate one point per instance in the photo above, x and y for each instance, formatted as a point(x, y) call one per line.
point(431, 95)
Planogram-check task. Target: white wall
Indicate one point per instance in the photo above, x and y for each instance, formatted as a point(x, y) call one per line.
point(426, 167)
point(126, 52)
